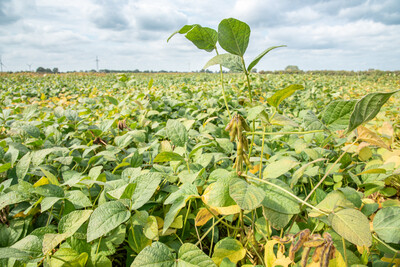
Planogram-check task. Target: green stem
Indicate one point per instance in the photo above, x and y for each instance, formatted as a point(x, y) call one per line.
point(287, 192)
point(386, 245)
point(262, 153)
point(248, 79)
point(187, 214)
point(282, 133)
point(223, 87)
point(329, 171)
point(344, 251)
point(209, 230)
point(216, 217)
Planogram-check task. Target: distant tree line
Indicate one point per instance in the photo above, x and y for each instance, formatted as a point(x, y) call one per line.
point(47, 70)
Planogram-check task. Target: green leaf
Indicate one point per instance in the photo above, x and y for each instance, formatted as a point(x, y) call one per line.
point(277, 219)
point(338, 112)
point(67, 257)
point(280, 95)
point(146, 185)
point(112, 100)
point(12, 197)
point(71, 222)
point(5, 167)
point(176, 132)
point(7, 253)
point(178, 200)
point(150, 229)
point(105, 218)
point(367, 108)
point(137, 240)
point(203, 37)
point(78, 199)
point(229, 61)
point(332, 202)
point(30, 244)
point(353, 225)
point(247, 196)
point(387, 224)
point(156, 255)
point(277, 200)
point(190, 255)
point(23, 165)
point(233, 36)
point(260, 56)
point(230, 248)
point(279, 167)
point(166, 156)
point(50, 176)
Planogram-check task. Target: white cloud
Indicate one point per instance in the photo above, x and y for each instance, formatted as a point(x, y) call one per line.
point(335, 34)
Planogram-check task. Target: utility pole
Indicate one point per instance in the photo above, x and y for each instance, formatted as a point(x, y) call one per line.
point(97, 64)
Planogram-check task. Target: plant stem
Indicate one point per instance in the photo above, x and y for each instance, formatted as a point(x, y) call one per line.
point(187, 214)
point(223, 88)
point(344, 251)
point(287, 192)
point(282, 133)
point(329, 170)
point(262, 154)
point(248, 79)
point(386, 245)
point(216, 217)
point(209, 230)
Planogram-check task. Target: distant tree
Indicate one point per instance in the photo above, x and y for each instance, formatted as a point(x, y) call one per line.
point(40, 69)
point(254, 70)
point(55, 70)
point(292, 68)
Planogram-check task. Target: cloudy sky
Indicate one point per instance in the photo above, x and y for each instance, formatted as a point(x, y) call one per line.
point(319, 34)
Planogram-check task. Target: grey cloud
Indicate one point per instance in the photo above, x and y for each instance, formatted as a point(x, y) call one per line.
point(7, 13)
point(109, 15)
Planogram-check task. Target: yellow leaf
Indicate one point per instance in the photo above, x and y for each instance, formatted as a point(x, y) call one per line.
point(281, 260)
point(255, 169)
point(208, 120)
point(396, 261)
point(228, 210)
point(386, 130)
point(203, 216)
point(371, 137)
point(269, 255)
point(43, 97)
point(337, 261)
point(41, 181)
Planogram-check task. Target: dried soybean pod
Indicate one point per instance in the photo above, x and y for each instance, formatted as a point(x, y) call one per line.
point(246, 127)
point(318, 253)
point(326, 255)
point(239, 128)
point(303, 237)
point(230, 124)
point(304, 256)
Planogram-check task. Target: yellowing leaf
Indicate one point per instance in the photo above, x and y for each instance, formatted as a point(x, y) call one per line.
point(337, 261)
point(230, 248)
point(41, 181)
point(255, 169)
point(203, 216)
point(371, 137)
